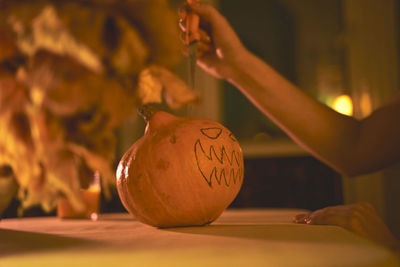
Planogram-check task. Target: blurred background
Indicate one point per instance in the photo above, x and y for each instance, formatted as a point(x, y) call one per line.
point(345, 53)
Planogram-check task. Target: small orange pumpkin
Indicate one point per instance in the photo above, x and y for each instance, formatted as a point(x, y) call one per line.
point(182, 172)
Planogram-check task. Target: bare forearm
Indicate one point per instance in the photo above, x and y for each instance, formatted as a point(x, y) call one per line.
point(311, 124)
point(348, 145)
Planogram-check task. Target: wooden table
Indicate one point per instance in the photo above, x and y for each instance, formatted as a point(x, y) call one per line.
point(238, 238)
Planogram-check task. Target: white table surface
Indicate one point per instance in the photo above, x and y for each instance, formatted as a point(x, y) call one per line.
point(265, 237)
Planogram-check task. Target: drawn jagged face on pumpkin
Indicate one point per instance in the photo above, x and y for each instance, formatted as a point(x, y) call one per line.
point(219, 157)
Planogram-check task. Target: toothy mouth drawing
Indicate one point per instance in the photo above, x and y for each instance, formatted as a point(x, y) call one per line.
point(215, 162)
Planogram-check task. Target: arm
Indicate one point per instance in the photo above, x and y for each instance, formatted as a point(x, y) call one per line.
point(346, 144)
point(350, 146)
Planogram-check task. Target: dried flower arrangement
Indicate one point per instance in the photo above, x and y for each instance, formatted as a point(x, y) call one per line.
point(71, 72)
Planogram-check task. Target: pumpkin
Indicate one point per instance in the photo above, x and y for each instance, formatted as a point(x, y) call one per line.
point(182, 172)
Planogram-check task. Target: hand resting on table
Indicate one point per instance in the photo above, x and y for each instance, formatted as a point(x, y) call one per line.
point(360, 218)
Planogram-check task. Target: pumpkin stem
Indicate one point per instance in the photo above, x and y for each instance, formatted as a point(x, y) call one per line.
point(146, 111)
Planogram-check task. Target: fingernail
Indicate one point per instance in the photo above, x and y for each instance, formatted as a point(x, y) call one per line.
point(299, 217)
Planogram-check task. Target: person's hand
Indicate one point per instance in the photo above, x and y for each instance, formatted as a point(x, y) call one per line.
point(360, 218)
point(219, 49)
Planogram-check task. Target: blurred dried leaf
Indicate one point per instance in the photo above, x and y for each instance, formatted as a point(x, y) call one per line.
point(96, 162)
point(61, 84)
point(49, 33)
point(117, 103)
point(78, 68)
point(176, 92)
point(161, 31)
point(84, 23)
point(132, 53)
point(61, 176)
point(149, 88)
point(8, 47)
point(12, 94)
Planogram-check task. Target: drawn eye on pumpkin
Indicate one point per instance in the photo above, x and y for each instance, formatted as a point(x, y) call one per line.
point(215, 161)
point(212, 133)
point(233, 138)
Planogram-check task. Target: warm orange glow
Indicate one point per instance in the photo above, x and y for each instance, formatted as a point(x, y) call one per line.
point(91, 201)
point(366, 104)
point(343, 104)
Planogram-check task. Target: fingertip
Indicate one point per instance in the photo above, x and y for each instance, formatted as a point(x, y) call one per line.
point(204, 47)
point(204, 37)
point(300, 218)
